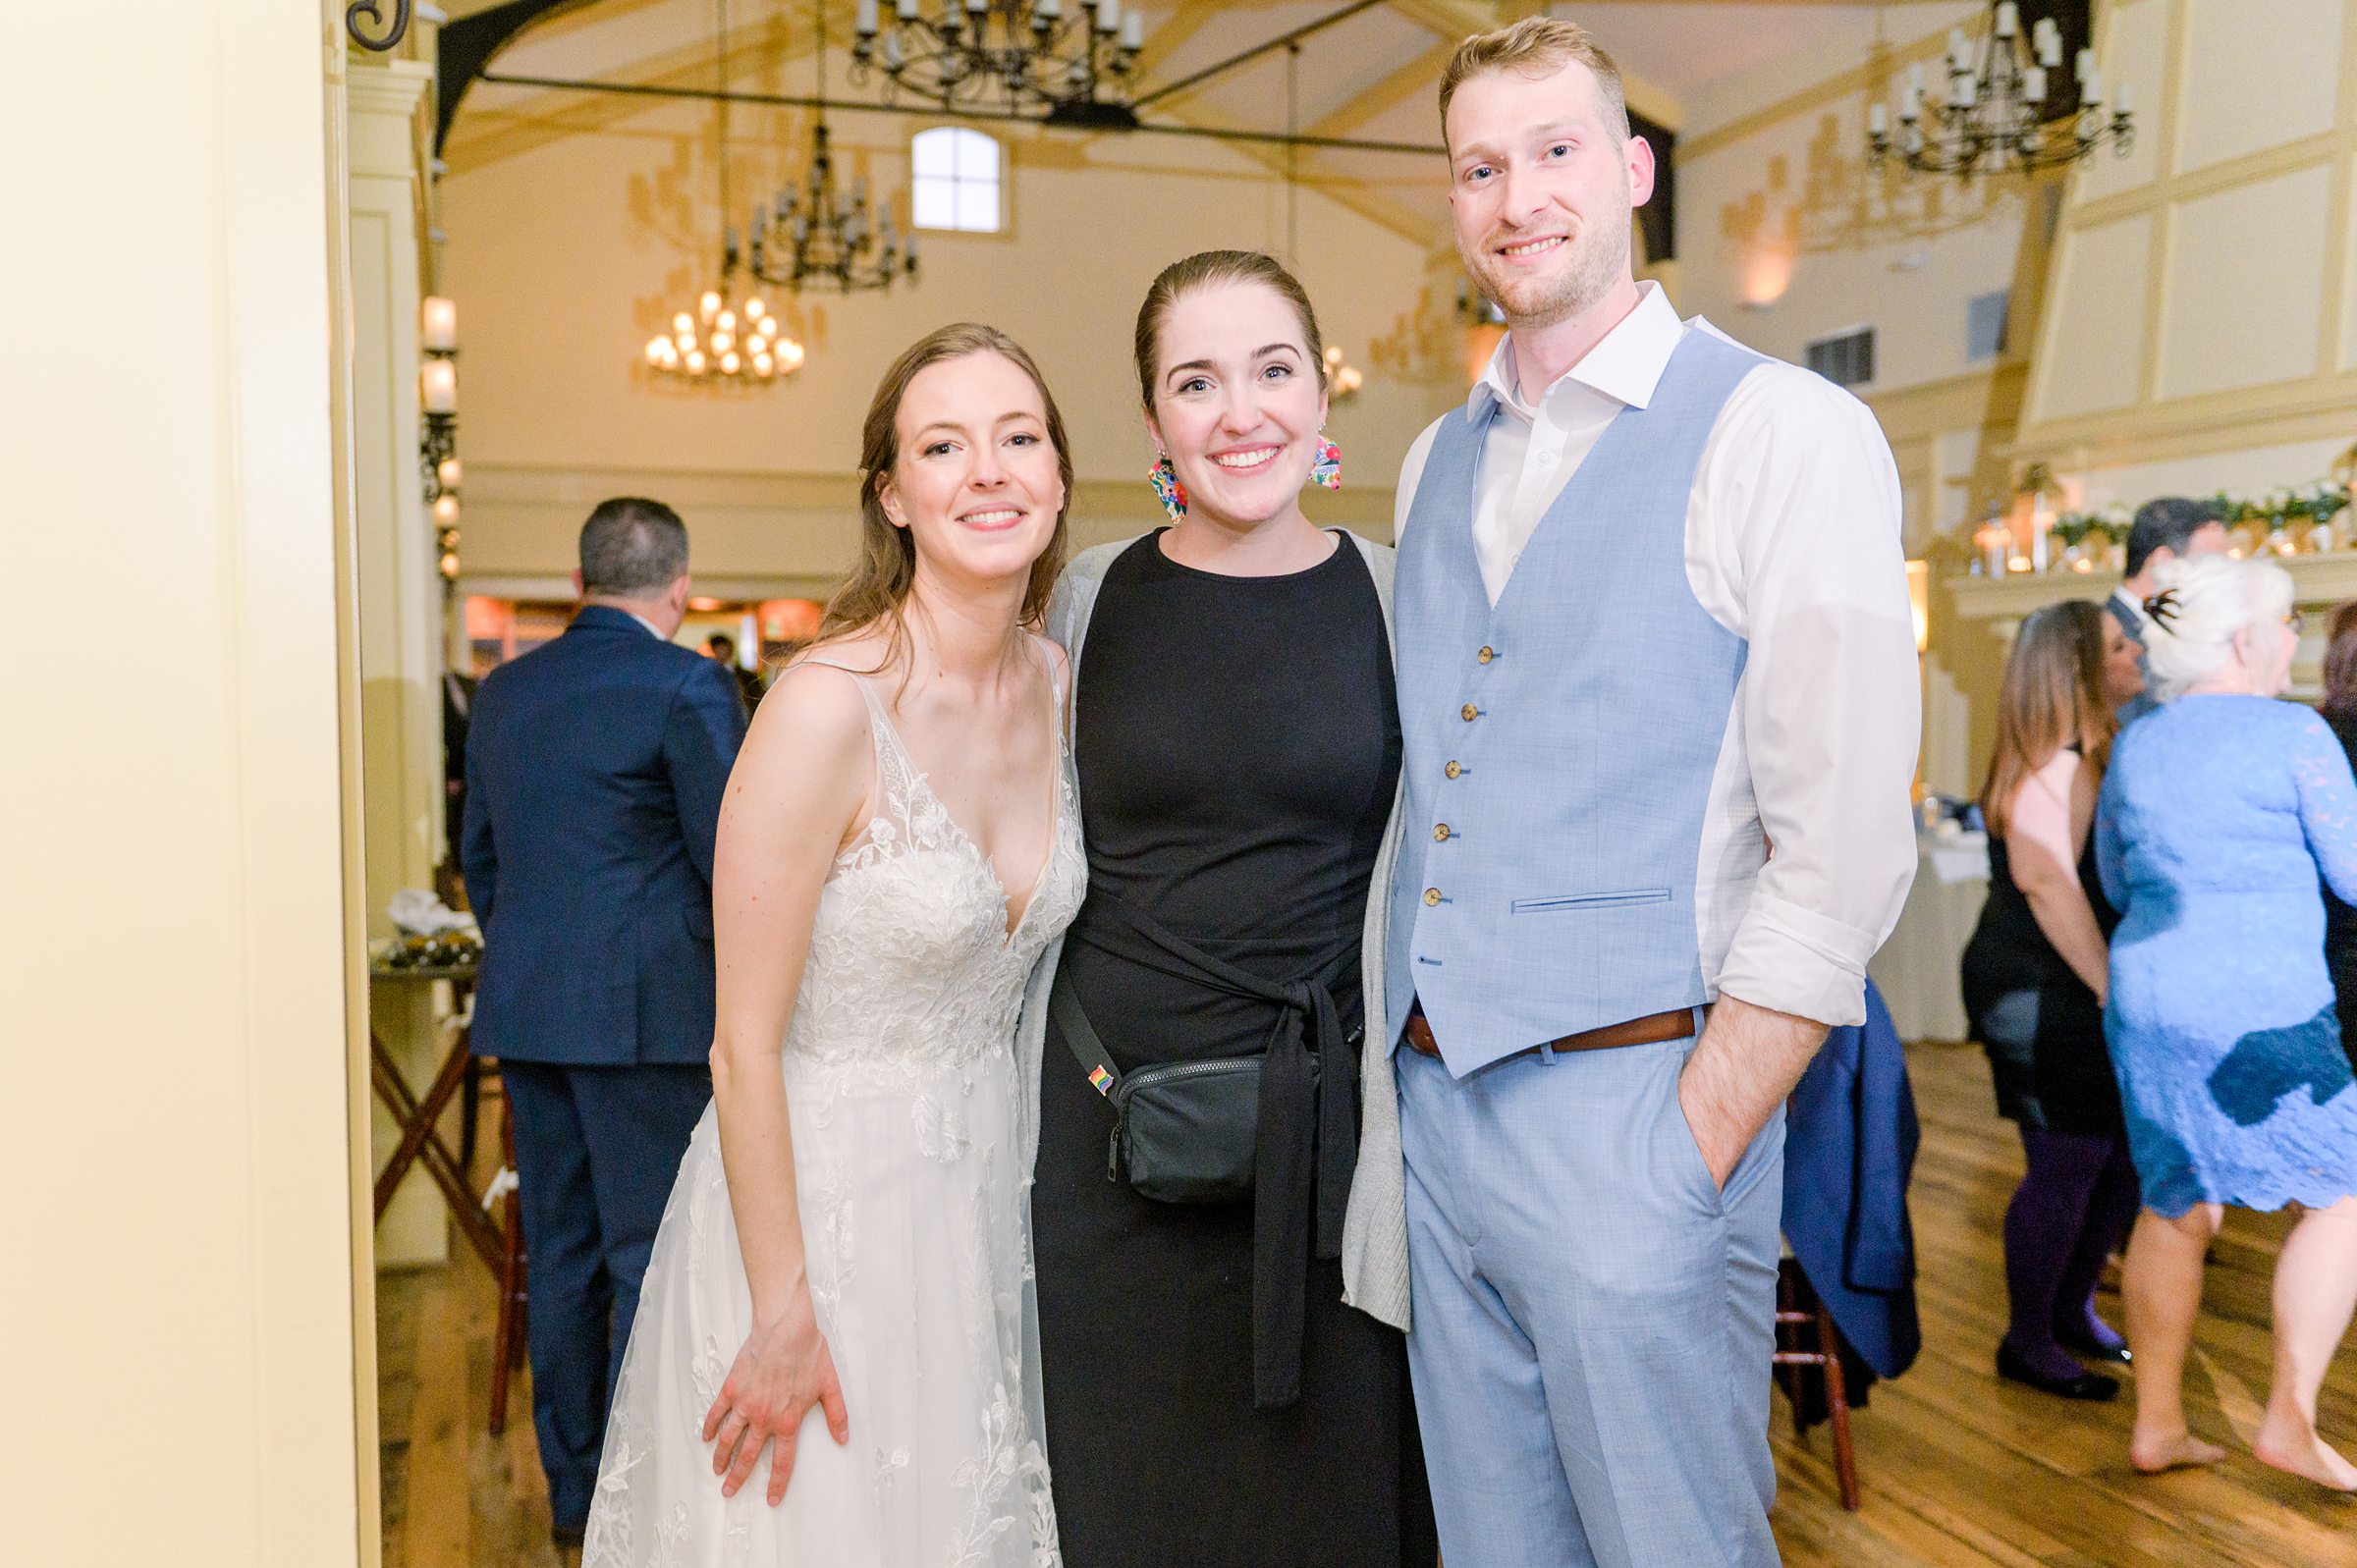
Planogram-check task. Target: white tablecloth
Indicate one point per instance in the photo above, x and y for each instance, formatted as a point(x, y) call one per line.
point(1917, 968)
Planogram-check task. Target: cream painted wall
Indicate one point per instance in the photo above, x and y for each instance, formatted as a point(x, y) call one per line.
point(2202, 334)
point(564, 257)
point(400, 596)
point(176, 1341)
point(1785, 235)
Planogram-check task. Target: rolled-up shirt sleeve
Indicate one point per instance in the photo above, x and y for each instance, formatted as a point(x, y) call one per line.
point(1793, 541)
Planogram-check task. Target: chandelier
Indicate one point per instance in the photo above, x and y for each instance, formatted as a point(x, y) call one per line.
point(719, 343)
point(2004, 109)
point(1028, 53)
point(821, 234)
point(824, 236)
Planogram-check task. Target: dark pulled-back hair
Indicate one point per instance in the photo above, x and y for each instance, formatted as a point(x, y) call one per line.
point(876, 593)
point(2169, 522)
point(632, 546)
point(1211, 269)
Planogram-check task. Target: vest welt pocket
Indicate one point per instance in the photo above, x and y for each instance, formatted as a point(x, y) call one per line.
point(1590, 901)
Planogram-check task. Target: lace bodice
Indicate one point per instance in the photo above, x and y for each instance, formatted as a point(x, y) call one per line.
point(910, 960)
point(912, 1138)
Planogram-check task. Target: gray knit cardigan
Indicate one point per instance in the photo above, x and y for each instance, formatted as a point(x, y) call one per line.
point(1374, 1231)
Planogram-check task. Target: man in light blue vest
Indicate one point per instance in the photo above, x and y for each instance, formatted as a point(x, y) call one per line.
point(1656, 678)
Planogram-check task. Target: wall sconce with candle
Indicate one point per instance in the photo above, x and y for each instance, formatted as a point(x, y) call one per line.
point(438, 398)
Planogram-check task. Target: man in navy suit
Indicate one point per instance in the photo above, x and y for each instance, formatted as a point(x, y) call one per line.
point(595, 767)
point(2166, 529)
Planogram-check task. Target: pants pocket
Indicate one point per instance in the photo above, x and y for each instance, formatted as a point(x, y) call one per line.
point(1682, 1160)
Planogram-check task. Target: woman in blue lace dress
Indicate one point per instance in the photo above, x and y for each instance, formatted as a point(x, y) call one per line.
point(2215, 817)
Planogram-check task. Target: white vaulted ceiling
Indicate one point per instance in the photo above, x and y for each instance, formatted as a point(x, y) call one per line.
point(1373, 76)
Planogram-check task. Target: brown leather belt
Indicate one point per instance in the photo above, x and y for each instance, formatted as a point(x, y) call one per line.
point(1645, 1030)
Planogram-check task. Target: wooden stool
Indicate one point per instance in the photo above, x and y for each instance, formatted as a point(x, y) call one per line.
point(1825, 1353)
point(507, 1340)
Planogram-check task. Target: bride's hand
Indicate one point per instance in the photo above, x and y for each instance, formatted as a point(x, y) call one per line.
point(783, 1368)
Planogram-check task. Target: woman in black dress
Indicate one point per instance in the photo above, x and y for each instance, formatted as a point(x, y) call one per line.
point(2035, 977)
point(1210, 1399)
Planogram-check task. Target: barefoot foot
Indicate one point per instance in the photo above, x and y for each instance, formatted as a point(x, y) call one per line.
point(2154, 1452)
point(2290, 1444)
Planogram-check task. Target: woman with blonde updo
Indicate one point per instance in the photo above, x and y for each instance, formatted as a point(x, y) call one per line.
point(2217, 814)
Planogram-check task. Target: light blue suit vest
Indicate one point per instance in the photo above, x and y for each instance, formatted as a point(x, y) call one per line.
point(1559, 747)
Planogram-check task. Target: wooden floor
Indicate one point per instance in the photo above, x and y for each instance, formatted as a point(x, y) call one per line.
point(1960, 1471)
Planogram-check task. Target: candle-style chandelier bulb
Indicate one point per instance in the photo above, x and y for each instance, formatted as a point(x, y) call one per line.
point(1078, 64)
point(827, 234)
point(712, 344)
point(2003, 111)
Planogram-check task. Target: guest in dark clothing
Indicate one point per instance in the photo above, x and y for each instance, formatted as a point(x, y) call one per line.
point(595, 766)
point(458, 705)
point(1211, 1400)
point(2035, 977)
point(2339, 709)
point(722, 648)
point(2166, 529)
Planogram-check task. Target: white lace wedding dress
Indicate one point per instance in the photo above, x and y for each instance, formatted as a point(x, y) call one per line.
point(914, 1136)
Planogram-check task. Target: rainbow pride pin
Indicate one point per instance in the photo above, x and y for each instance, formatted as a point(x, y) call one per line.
point(1102, 1079)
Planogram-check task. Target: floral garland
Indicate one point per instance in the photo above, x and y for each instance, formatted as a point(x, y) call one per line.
point(2318, 504)
point(2315, 505)
point(2073, 528)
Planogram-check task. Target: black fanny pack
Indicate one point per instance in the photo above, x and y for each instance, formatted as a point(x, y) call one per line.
point(1184, 1132)
point(1278, 1127)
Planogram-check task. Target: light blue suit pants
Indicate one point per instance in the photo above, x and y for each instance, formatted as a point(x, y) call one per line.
point(1593, 1316)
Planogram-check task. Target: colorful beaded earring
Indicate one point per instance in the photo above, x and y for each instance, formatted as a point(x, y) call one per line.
point(1167, 488)
point(1326, 468)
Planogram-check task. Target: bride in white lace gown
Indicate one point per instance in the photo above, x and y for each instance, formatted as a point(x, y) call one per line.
point(843, 1271)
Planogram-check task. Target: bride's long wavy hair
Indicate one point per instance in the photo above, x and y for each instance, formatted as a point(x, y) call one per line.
point(876, 593)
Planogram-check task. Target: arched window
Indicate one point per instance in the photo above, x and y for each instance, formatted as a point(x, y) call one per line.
point(955, 179)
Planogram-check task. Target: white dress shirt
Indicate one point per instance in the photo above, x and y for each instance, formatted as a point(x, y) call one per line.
point(1792, 543)
point(2135, 611)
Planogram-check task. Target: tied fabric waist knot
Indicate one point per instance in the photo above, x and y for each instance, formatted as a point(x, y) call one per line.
point(1307, 1142)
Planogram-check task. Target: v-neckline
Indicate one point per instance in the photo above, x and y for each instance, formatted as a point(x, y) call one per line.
point(1014, 918)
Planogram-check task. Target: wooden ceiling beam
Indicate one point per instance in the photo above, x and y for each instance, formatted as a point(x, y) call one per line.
point(1457, 20)
point(1186, 19)
point(483, 137)
point(1420, 75)
point(486, 136)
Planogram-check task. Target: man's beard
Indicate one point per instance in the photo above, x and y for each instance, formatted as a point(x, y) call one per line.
point(1596, 263)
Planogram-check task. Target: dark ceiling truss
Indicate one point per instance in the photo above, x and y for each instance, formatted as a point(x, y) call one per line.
point(469, 45)
point(833, 105)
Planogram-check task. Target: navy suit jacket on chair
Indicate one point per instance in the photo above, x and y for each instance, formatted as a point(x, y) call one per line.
point(595, 767)
point(1849, 1150)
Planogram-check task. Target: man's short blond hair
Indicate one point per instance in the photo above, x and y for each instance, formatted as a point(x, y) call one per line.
point(1535, 46)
